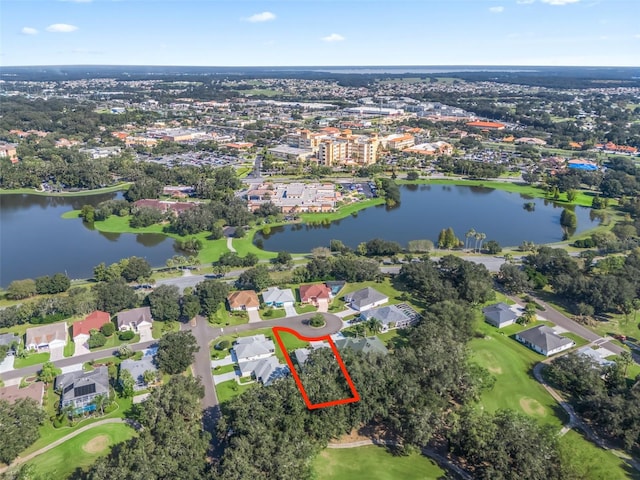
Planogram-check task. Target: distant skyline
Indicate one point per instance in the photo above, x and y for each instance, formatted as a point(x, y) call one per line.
point(320, 32)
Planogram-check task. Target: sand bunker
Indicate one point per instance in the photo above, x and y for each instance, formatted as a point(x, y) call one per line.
point(97, 444)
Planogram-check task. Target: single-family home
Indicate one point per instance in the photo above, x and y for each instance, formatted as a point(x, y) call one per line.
point(243, 300)
point(253, 348)
point(268, 370)
point(302, 354)
point(544, 340)
point(79, 389)
point(315, 293)
point(364, 345)
point(47, 337)
point(499, 315)
point(365, 299)
point(274, 297)
point(137, 369)
point(10, 340)
point(392, 316)
point(95, 320)
point(135, 319)
point(13, 393)
point(597, 356)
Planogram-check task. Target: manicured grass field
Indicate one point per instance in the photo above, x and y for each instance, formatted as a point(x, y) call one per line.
point(342, 212)
point(223, 317)
point(591, 462)
point(515, 388)
point(373, 463)
point(81, 451)
point(30, 360)
point(229, 389)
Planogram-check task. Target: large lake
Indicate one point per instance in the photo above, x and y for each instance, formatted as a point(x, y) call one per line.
point(424, 210)
point(35, 240)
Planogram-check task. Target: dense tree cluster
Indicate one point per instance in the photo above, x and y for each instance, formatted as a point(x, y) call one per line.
point(611, 289)
point(602, 395)
point(19, 427)
point(211, 294)
point(449, 278)
point(171, 443)
point(57, 283)
point(165, 303)
point(349, 268)
point(176, 351)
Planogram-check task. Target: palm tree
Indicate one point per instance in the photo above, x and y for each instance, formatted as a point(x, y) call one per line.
point(625, 360)
point(359, 329)
point(68, 411)
point(468, 235)
point(482, 237)
point(477, 237)
point(100, 401)
point(374, 325)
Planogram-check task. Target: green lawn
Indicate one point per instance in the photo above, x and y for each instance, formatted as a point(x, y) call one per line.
point(223, 317)
point(305, 308)
point(224, 369)
point(32, 191)
point(229, 389)
point(31, 359)
point(273, 313)
point(373, 463)
point(81, 451)
point(511, 364)
point(342, 212)
point(591, 462)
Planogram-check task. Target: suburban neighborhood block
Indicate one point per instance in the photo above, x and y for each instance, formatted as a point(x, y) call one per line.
point(136, 320)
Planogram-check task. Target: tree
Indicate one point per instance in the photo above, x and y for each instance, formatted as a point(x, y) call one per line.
point(125, 351)
point(568, 218)
point(20, 289)
point(413, 175)
point(514, 279)
point(625, 359)
point(96, 339)
point(320, 252)
point(19, 427)
point(283, 258)
point(165, 303)
point(211, 294)
point(149, 377)
point(190, 306)
point(217, 232)
point(470, 234)
point(127, 383)
point(374, 325)
point(100, 401)
point(493, 247)
point(529, 315)
point(136, 268)
point(48, 372)
point(256, 278)
point(176, 351)
point(114, 296)
point(108, 329)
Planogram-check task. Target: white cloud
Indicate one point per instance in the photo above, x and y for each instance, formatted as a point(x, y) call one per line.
point(334, 37)
point(29, 31)
point(61, 28)
point(261, 17)
point(560, 2)
point(496, 9)
point(637, 35)
point(524, 2)
point(77, 1)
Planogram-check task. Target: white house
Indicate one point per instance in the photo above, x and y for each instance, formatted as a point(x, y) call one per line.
point(47, 337)
point(135, 319)
point(544, 340)
point(365, 299)
point(274, 297)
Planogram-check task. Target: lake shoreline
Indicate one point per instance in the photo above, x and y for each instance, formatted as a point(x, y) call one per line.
point(81, 193)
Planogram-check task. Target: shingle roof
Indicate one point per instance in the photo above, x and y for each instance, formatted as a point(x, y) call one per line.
point(365, 296)
point(387, 315)
point(545, 338)
point(257, 345)
point(137, 315)
point(364, 345)
point(275, 295)
point(78, 384)
point(137, 367)
point(243, 298)
point(47, 333)
point(500, 313)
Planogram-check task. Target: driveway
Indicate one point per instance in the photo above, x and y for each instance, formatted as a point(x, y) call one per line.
point(222, 362)
point(290, 311)
point(225, 377)
point(323, 305)
point(57, 353)
point(145, 334)
point(7, 363)
point(81, 346)
point(254, 316)
point(348, 311)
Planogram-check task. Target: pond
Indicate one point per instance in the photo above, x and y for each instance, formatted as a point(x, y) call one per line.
point(36, 241)
point(425, 210)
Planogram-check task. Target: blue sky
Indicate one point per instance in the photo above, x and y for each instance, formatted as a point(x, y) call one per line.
point(320, 32)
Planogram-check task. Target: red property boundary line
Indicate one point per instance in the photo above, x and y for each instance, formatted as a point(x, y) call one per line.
point(296, 377)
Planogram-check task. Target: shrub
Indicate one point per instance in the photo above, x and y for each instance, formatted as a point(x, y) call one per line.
point(126, 335)
point(108, 329)
point(223, 345)
point(111, 407)
point(317, 321)
point(96, 339)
